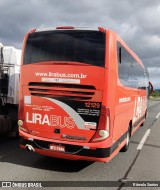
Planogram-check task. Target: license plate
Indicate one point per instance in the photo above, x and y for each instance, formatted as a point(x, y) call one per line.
point(57, 148)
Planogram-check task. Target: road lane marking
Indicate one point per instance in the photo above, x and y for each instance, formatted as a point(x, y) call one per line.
point(158, 115)
point(143, 139)
point(124, 179)
point(140, 146)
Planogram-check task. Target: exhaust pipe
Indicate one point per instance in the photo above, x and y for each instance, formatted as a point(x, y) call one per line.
point(29, 148)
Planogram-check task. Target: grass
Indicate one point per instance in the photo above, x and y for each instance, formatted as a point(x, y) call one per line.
point(155, 95)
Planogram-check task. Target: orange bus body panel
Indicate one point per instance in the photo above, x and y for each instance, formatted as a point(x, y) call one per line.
point(79, 111)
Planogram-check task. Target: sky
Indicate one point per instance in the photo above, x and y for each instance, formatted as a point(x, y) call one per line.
point(136, 22)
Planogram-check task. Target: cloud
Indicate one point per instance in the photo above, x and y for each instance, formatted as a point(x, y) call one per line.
point(137, 22)
point(154, 76)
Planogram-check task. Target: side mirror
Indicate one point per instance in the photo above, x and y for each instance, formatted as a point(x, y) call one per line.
point(150, 88)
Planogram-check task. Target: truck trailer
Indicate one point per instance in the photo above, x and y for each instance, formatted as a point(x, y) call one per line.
point(9, 89)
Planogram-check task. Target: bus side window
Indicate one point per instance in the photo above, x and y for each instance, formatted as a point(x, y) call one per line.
point(123, 65)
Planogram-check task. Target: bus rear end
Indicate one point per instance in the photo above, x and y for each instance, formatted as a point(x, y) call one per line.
point(61, 112)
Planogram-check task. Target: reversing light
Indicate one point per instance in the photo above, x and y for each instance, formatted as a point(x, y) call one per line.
point(103, 133)
point(21, 127)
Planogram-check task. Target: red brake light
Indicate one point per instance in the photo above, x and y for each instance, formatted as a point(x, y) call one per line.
point(21, 112)
point(64, 27)
point(103, 126)
point(103, 118)
point(21, 123)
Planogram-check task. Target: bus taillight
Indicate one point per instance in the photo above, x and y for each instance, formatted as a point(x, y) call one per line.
point(21, 123)
point(103, 127)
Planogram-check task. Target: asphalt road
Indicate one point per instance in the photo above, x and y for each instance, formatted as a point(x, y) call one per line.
point(134, 165)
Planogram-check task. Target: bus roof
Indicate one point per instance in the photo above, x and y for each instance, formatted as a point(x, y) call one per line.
point(69, 28)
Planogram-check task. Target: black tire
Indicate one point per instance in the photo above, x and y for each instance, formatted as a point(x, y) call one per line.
point(142, 124)
point(13, 113)
point(146, 115)
point(126, 146)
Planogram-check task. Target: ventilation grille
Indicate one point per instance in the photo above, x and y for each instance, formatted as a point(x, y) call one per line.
point(65, 91)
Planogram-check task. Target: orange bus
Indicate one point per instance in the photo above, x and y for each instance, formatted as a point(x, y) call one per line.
point(83, 93)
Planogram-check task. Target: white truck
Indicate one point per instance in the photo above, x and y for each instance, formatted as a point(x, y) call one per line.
point(9, 89)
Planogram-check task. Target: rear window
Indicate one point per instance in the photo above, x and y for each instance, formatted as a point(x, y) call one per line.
point(66, 45)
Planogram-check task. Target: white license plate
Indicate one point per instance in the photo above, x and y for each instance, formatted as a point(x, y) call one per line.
point(57, 148)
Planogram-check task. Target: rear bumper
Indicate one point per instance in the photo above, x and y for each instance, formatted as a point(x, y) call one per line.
point(73, 152)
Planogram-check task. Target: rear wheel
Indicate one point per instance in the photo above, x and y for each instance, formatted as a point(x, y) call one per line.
point(146, 115)
point(126, 146)
point(13, 113)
